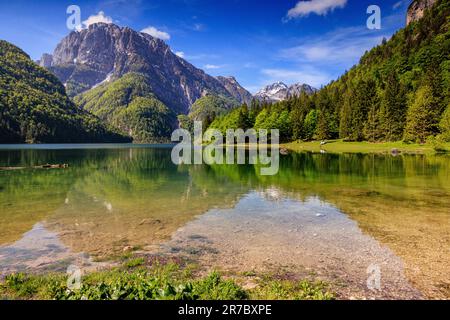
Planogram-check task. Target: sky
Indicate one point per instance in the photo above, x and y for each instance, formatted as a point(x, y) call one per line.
point(256, 41)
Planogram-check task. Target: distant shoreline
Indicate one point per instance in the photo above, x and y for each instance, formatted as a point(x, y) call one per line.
point(340, 146)
point(333, 146)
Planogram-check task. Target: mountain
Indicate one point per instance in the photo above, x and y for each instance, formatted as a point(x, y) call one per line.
point(45, 61)
point(129, 104)
point(279, 91)
point(399, 91)
point(34, 107)
point(236, 90)
point(416, 10)
point(296, 89)
point(105, 52)
point(206, 109)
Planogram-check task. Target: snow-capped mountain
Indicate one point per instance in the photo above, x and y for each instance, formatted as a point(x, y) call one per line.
point(279, 91)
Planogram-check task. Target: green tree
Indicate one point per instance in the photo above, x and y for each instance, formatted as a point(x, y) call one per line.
point(297, 119)
point(345, 124)
point(34, 107)
point(372, 129)
point(310, 124)
point(284, 125)
point(209, 107)
point(421, 117)
point(363, 98)
point(185, 122)
point(323, 122)
point(445, 125)
point(393, 109)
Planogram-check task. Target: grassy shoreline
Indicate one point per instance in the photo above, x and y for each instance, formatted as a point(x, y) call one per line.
point(135, 280)
point(339, 146)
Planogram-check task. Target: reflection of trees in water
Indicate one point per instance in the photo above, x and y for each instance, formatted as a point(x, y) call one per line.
point(401, 201)
point(130, 176)
point(111, 198)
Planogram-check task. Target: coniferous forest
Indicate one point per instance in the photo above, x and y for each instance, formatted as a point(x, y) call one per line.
point(34, 107)
point(400, 90)
point(352, 203)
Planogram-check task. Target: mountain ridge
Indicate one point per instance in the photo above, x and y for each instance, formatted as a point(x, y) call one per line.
point(34, 107)
point(279, 91)
point(105, 52)
point(416, 10)
point(235, 89)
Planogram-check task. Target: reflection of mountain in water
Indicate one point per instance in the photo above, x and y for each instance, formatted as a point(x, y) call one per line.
point(38, 251)
point(108, 199)
point(113, 198)
point(139, 202)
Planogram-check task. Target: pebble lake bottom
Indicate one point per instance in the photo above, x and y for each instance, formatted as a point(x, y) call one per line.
point(325, 216)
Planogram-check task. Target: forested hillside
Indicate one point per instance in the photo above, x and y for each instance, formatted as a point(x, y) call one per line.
point(129, 104)
point(400, 90)
point(206, 109)
point(34, 107)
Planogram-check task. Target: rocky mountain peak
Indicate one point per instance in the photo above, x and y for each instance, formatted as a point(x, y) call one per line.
point(298, 88)
point(106, 52)
point(46, 61)
point(280, 91)
point(417, 9)
point(235, 89)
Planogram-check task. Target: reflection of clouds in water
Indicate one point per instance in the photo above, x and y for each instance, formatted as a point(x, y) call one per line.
point(108, 206)
point(272, 194)
point(38, 249)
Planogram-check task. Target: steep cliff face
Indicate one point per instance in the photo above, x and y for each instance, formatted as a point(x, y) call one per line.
point(106, 52)
point(46, 60)
point(236, 90)
point(417, 9)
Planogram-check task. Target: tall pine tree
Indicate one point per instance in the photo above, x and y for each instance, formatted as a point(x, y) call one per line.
point(393, 109)
point(421, 117)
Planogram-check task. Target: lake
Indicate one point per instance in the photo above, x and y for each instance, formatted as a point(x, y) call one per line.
point(334, 217)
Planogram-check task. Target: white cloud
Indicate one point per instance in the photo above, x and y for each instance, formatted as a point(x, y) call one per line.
point(341, 47)
point(333, 52)
point(97, 18)
point(180, 54)
point(211, 66)
point(198, 27)
point(156, 33)
point(308, 75)
point(319, 7)
point(399, 4)
point(202, 56)
point(250, 65)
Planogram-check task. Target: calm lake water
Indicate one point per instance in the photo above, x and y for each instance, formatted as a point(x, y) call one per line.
point(332, 217)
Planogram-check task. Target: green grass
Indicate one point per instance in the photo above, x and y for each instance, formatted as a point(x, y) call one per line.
point(133, 281)
point(133, 263)
point(340, 146)
point(271, 289)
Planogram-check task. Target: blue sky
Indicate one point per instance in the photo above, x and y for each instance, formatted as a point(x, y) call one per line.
point(258, 42)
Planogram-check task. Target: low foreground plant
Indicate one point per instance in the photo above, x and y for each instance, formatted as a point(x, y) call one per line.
point(157, 283)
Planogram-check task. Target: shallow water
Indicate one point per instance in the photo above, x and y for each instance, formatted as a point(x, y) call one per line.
point(329, 215)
